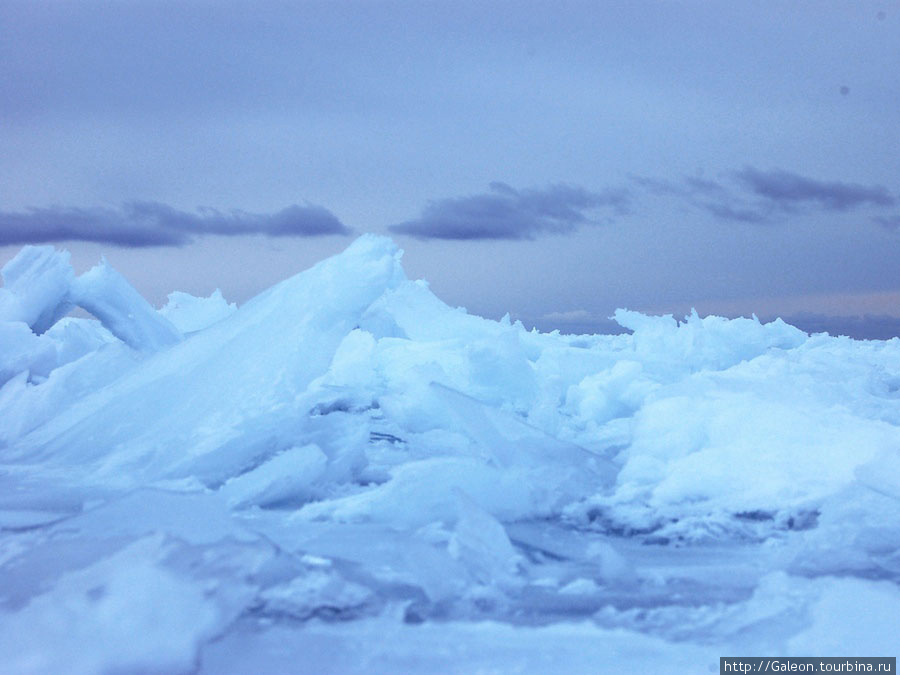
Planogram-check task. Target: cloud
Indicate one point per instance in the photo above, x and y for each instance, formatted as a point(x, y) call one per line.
point(741, 214)
point(139, 224)
point(889, 222)
point(861, 327)
point(708, 195)
point(788, 189)
point(756, 196)
point(506, 213)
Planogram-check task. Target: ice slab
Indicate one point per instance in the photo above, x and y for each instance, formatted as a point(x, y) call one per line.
point(120, 308)
point(35, 287)
point(189, 313)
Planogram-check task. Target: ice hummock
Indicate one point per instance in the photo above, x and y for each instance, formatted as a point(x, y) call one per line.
point(346, 474)
point(35, 287)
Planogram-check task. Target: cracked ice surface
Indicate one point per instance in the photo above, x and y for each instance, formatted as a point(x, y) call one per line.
point(344, 474)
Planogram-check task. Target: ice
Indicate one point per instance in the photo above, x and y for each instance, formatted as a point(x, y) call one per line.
point(882, 473)
point(382, 645)
point(124, 613)
point(345, 474)
point(318, 591)
point(107, 295)
point(189, 313)
point(743, 453)
point(285, 477)
point(35, 287)
point(76, 337)
point(855, 617)
point(40, 288)
point(481, 543)
point(424, 491)
point(228, 397)
point(21, 351)
point(708, 343)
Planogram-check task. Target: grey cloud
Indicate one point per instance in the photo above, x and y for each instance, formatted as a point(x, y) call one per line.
point(861, 327)
point(789, 189)
point(507, 213)
point(741, 214)
point(708, 195)
point(658, 186)
point(704, 186)
point(888, 222)
point(140, 224)
point(761, 196)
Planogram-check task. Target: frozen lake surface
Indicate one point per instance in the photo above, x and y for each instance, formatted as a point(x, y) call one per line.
point(346, 475)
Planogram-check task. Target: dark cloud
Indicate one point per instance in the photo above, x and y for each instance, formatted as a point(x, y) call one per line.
point(506, 213)
point(741, 214)
point(788, 189)
point(139, 224)
point(705, 186)
point(708, 195)
point(889, 222)
point(761, 196)
point(658, 186)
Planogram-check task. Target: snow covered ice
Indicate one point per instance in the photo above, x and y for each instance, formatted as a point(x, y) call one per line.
point(345, 475)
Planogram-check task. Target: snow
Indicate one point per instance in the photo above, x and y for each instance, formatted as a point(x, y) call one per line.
point(344, 474)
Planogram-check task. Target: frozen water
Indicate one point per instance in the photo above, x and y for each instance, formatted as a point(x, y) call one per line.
point(35, 287)
point(286, 477)
point(344, 474)
point(24, 352)
point(107, 295)
point(189, 313)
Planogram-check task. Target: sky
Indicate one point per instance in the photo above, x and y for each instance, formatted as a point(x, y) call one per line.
point(553, 160)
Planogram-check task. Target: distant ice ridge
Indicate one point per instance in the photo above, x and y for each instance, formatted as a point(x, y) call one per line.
point(346, 474)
